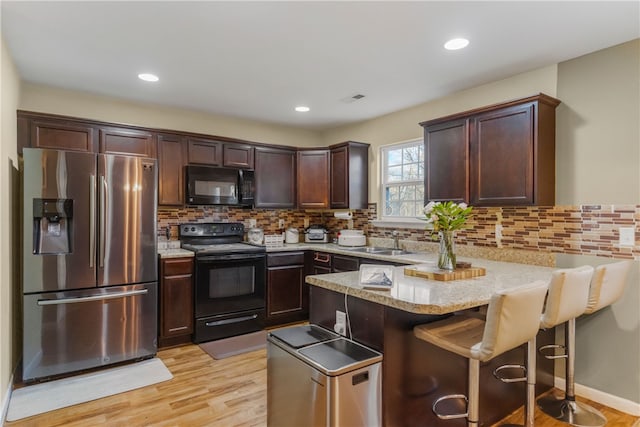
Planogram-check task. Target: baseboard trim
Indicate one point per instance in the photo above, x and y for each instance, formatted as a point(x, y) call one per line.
point(5, 401)
point(615, 402)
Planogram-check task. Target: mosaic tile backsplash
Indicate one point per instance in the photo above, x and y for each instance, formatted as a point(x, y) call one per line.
point(586, 229)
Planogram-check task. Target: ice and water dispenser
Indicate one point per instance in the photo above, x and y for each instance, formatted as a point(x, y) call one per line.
point(52, 224)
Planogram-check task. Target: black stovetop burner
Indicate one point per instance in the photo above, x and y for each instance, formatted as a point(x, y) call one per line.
point(216, 237)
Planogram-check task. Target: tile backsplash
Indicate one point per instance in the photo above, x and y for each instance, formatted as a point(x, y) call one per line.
point(585, 229)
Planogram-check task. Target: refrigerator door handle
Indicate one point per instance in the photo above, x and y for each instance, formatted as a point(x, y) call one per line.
point(92, 297)
point(92, 220)
point(103, 219)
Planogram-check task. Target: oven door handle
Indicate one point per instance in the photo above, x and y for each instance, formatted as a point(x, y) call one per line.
point(241, 257)
point(234, 320)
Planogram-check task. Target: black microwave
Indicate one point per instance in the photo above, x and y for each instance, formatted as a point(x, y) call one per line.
point(207, 185)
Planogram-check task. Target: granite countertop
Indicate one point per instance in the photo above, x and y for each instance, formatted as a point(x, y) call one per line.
point(424, 296)
point(174, 253)
point(413, 258)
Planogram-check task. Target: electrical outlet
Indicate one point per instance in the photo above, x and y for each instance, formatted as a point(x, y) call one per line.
point(281, 223)
point(627, 236)
point(306, 222)
point(252, 223)
point(498, 231)
point(341, 323)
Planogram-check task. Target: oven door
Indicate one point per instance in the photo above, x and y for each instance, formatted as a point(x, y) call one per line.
point(229, 295)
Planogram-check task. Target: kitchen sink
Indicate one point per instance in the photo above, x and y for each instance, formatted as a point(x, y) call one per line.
point(380, 251)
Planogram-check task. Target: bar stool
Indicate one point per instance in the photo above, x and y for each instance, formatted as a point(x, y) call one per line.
point(566, 299)
point(513, 318)
point(607, 286)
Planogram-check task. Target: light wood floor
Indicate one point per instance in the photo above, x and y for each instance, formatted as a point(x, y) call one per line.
point(207, 392)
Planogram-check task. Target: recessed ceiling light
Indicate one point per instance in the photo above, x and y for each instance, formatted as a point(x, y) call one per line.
point(147, 77)
point(302, 109)
point(455, 44)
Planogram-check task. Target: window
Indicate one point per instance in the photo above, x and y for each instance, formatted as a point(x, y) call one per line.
point(402, 180)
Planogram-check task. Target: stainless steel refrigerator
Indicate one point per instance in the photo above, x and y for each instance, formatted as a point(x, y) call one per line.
point(89, 260)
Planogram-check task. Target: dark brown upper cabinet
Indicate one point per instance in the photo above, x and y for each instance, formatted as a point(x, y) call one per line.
point(128, 142)
point(313, 178)
point(275, 178)
point(60, 134)
point(500, 155)
point(238, 156)
point(204, 151)
point(349, 175)
point(171, 160)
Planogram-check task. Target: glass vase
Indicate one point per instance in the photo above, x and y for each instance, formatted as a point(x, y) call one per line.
point(447, 254)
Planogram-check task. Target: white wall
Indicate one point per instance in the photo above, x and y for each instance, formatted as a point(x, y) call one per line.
point(52, 100)
point(9, 95)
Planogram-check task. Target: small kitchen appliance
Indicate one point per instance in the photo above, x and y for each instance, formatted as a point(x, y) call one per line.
point(352, 238)
point(291, 235)
point(316, 233)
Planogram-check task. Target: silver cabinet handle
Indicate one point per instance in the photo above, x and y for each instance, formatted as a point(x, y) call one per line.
point(92, 220)
point(92, 297)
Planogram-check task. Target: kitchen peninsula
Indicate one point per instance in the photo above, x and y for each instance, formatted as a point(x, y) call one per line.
point(416, 373)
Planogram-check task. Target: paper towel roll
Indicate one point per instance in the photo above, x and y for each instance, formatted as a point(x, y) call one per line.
point(343, 215)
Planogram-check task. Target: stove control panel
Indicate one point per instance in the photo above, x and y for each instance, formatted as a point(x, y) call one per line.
point(212, 229)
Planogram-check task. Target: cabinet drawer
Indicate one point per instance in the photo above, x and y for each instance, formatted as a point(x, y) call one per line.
point(345, 263)
point(285, 258)
point(177, 267)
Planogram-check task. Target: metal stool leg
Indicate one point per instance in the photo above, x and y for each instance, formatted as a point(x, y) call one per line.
point(529, 405)
point(567, 409)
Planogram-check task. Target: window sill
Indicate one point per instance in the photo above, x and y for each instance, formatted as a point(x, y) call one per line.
point(399, 223)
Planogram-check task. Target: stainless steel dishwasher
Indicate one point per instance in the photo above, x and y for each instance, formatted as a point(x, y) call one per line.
point(316, 378)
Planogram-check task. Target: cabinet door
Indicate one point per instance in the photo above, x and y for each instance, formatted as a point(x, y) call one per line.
point(275, 176)
point(502, 153)
point(204, 152)
point(176, 297)
point(340, 178)
point(128, 142)
point(238, 156)
point(287, 294)
point(170, 170)
point(313, 179)
point(446, 154)
point(61, 135)
point(343, 263)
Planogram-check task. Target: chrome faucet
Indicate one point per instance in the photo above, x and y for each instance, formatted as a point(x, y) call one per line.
point(395, 235)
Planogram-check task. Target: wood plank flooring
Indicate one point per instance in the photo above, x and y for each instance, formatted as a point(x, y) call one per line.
point(206, 392)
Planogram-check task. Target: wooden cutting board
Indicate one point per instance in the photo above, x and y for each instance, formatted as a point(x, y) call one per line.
point(428, 271)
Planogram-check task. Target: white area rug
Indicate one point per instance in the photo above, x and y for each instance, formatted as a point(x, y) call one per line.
point(39, 398)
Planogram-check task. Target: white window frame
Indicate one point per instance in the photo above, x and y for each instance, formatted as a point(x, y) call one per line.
point(395, 221)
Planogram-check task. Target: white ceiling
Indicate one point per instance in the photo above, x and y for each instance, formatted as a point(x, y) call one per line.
point(258, 60)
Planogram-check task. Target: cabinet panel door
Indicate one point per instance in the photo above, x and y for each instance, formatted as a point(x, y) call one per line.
point(204, 152)
point(238, 156)
point(340, 178)
point(275, 178)
point(177, 305)
point(62, 136)
point(285, 290)
point(313, 179)
point(502, 147)
point(446, 153)
point(170, 170)
point(128, 142)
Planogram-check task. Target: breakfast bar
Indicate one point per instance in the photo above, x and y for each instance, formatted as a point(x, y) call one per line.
point(416, 373)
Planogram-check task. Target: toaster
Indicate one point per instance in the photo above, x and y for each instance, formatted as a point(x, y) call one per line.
point(316, 233)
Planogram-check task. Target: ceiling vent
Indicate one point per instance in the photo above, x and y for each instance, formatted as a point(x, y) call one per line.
point(352, 98)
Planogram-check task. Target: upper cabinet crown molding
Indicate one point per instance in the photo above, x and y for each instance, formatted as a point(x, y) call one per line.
point(499, 155)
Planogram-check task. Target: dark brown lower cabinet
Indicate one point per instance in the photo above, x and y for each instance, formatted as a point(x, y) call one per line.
point(176, 301)
point(287, 292)
point(416, 373)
